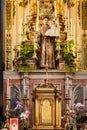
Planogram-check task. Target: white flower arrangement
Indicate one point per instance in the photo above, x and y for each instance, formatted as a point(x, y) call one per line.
point(77, 107)
point(25, 115)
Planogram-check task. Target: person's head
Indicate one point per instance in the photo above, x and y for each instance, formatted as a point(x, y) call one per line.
point(45, 20)
point(51, 22)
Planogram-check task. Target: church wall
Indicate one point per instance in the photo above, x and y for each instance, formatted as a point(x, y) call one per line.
point(34, 78)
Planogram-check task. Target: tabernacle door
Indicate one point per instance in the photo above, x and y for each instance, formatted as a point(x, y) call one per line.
point(46, 107)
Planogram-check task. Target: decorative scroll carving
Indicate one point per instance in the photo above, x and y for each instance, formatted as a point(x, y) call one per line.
point(47, 8)
point(79, 9)
point(70, 3)
point(23, 3)
point(8, 51)
point(8, 14)
point(49, 85)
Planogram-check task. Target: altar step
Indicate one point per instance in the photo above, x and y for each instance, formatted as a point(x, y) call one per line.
point(49, 129)
point(44, 129)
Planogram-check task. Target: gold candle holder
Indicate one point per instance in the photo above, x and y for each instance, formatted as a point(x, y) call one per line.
point(7, 113)
point(25, 102)
point(25, 121)
point(67, 124)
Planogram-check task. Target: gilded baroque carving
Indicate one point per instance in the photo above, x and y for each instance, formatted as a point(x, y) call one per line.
point(8, 51)
point(23, 3)
point(8, 14)
point(70, 3)
point(47, 8)
point(47, 107)
point(84, 15)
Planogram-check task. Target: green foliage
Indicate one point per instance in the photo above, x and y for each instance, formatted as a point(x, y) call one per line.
point(68, 56)
point(25, 68)
point(78, 119)
point(26, 52)
point(23, 61)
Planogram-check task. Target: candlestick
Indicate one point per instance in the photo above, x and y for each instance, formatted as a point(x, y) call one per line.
point(7, 86)
point(24, 86)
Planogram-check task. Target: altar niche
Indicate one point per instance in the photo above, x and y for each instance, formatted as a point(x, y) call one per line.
point(46, 107)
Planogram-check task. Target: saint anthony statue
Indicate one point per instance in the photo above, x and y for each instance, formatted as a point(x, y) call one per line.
point(48, 33)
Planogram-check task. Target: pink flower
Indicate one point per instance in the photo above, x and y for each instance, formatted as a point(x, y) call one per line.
point(79, 105)
point(25, 115)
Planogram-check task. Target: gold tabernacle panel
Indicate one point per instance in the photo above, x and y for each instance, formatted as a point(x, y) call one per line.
point(46, 107)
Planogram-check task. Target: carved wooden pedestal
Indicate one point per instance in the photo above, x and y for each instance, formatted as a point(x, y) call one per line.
point(46, 107)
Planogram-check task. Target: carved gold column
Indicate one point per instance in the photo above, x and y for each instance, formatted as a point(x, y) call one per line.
point(57, 11)
point(60, 107)
point(36, 112)
point(57, 115)
point(55, 5)
point(8, 33)
point(32, 6)
point(37, 17)
point(59, 111)
point(35, 7)
point(65, 15)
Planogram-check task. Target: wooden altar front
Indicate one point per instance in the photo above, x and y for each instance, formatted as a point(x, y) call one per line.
point(46, 107)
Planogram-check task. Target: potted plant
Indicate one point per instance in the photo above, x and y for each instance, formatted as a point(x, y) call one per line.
point(25, 54)
point(67, 55)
